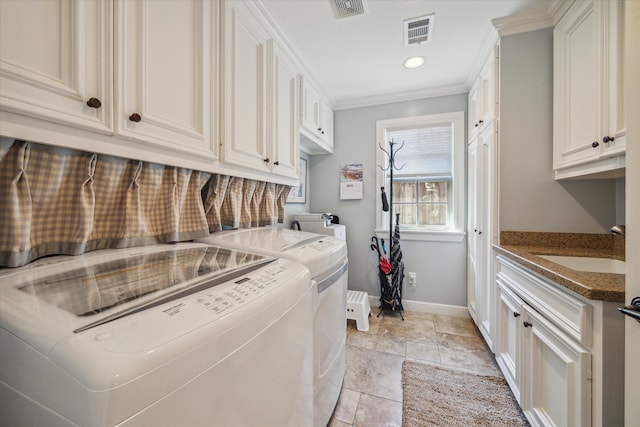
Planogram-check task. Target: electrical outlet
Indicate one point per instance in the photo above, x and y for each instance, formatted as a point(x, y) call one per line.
point(412, 279)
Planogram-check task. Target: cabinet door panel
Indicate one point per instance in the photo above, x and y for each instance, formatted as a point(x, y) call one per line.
point(285, 132)
point(56, 55)
point(309, 109)
point(163, 60)
point(508, 340)
point(474, 265)
point(245, 66)
point(578, 110)
point(558, 375)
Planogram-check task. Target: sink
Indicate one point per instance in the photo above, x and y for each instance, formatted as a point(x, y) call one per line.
point(594, 265)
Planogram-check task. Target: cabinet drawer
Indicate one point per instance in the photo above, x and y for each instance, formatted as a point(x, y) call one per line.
point(570, 314)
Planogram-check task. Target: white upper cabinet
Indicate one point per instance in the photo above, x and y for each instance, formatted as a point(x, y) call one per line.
point(589, 133)
point(56, 62)
point(316, 120)
point(165, 71)
point(135, 79)
point(260, 98)
point(482, 101)
point(284, 138)
point(246, 41)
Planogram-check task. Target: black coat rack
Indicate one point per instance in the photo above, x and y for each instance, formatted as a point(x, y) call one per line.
point(391, 283)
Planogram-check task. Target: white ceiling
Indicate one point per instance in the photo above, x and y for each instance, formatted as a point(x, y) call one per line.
point(358, 60)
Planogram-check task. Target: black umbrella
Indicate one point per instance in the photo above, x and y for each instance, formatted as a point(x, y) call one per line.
point(397, 267)
point(391, 278)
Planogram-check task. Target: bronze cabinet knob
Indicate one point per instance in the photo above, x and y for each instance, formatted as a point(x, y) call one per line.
point(135, 117)
point(94, 103)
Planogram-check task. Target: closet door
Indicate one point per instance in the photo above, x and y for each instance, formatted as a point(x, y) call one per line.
point(164, 73)
point(56, 61)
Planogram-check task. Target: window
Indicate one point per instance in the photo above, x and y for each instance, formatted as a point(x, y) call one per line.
point(428, 181)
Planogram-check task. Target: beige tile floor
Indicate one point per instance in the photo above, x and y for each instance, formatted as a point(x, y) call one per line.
point(372, 390)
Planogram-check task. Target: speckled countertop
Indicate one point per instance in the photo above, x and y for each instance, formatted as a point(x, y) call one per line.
point(524, 247)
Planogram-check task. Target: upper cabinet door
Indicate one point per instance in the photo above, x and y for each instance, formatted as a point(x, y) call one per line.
point(165, 72)
point(285, 133)
point(589, 131)
point(56, 61)
point(246, 45)
point(579, 105)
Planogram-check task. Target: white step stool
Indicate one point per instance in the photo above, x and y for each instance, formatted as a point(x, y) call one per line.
point(358, 309)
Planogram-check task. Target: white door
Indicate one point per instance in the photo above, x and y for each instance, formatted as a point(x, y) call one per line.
point(474, 191)
point(326, 122)
point(246, 45)
point(577, 114)
point(309, 108)
point(509, 338)
point(56, 61)
point(632, 327)
point(164, 72)
point(285, 134)
point(556, 386)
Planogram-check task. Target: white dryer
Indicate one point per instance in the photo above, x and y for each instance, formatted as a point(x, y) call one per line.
point(326, 258)
point(168, 335)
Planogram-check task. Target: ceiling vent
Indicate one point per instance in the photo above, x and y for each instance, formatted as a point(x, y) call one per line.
point(346, 8)
point(418, 30)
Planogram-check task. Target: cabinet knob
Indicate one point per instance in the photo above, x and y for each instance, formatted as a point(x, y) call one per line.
point(135, 117)
point(481, 121)
point(276, 163)
point(319, 129)
point(527, 324)
point(266, 160)
point(516, 314)
point(595, 144)
point(479, 232)
point(476, 125)
point(94, 103)
point(608, 139)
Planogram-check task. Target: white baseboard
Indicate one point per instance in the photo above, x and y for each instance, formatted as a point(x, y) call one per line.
point(425, 307)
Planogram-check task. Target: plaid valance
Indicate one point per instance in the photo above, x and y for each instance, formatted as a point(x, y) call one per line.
point(61, 201)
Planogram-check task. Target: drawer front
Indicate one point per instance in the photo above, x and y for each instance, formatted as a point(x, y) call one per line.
point(572, 315)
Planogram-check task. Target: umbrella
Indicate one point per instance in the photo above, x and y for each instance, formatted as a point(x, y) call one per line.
point(397, 267)
point(391, 274)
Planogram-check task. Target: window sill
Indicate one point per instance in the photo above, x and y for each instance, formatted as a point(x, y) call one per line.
point(425, 236)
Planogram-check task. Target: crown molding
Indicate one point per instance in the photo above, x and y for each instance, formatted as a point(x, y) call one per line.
point(516, 24)
point(399, 97)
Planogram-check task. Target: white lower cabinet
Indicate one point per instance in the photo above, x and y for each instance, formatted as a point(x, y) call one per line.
point(558, 351)
point(556, 373)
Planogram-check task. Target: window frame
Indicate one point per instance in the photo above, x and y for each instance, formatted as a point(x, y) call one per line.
point(453, 232)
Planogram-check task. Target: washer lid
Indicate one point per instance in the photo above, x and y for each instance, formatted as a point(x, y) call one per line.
point(79, 292)
point(318, 252)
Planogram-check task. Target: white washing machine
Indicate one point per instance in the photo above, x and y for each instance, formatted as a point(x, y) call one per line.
point(326, 258)
point(167, 335)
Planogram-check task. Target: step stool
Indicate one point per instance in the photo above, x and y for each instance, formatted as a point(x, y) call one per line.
point(358, 309)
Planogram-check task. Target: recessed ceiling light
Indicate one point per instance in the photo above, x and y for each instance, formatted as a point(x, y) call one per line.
point(414, 62)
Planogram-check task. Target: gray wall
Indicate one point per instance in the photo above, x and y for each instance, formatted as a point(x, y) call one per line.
point(530, 198)
point(440, 266)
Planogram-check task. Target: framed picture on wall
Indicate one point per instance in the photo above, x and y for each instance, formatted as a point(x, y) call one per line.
point(299, 194)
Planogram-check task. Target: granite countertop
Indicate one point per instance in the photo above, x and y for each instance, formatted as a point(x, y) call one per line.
point(525, 248)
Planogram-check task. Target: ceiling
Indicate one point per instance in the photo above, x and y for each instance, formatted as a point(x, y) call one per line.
point(358, 60)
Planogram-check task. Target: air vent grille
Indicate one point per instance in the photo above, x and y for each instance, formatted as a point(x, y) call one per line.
point(346, 8)
point(418, 30)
